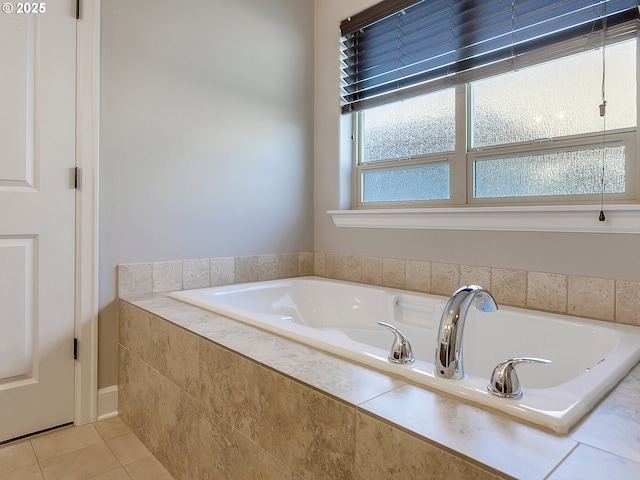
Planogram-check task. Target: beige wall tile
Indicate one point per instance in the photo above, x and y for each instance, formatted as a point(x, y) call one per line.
point(306, 264)
point(163, 416)
point(138, 332)
point(473, 275)
point(384, 452)
point(547, 291)
point(288, 265)
point(311, 433)
point(178, 356)
point(167, 276)
point(394, 273)
point(177, 418)
point(445, 278)
point(123, 383)
point(222, 271)
point(226, 453)
point(229, 387)
point(319, 264)
point(509, 287)
point(628, 302)
point(267, 267)
point(333, 265)
point(418, 276)
point(591, 297)
point(195, 273)
point(216, 440)
point(135, 279)
point(246, 269)
point(372, 270)
point(352, 268)
point(144, 403)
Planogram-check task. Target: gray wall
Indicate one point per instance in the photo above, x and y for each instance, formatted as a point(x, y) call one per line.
point(593, 255)
point(205, 136)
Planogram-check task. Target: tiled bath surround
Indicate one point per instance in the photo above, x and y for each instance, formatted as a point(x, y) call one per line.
point(214, 398)
point(158, 277)
point(589, 297)
point(596, 298)
point(208, 412)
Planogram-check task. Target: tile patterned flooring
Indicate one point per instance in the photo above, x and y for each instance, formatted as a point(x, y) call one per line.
point(107, 450)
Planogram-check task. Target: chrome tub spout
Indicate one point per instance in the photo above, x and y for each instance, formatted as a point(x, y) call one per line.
point(448, 362)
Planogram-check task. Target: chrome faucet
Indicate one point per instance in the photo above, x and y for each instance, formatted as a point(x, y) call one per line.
point(401, 351)
point(448, 362)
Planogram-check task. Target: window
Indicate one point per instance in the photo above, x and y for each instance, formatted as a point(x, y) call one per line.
point(505, 135)
point(401, 155)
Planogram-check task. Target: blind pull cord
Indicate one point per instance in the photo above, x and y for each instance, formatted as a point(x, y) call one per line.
point(603, 111)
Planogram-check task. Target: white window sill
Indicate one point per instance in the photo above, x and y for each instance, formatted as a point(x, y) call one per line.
point(566, 218)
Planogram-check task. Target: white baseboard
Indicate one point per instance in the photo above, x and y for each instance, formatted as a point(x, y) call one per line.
point(107, 402)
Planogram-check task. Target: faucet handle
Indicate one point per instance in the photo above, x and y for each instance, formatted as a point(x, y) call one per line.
point(504, 380)
point(401, 351)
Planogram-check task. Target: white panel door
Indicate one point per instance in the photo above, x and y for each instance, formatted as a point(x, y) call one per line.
point(37, 217)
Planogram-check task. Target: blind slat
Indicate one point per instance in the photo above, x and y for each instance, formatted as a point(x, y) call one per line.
point(374, 14)
point(430, 44)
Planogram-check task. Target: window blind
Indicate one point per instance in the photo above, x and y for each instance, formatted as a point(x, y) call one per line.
point(402, 48)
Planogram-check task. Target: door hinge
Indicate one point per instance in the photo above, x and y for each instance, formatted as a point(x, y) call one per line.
point(75, 348)
point(76, 180)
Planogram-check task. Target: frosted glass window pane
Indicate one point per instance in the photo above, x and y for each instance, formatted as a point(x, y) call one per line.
point(417, 126)
point(559, 173)
point(557, 98)
point(426, 182)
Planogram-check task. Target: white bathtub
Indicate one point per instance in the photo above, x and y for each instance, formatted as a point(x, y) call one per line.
point(588, 357)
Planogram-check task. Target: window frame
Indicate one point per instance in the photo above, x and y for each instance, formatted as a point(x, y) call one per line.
point(461, 161)
point(622, 137)
point(361, 168)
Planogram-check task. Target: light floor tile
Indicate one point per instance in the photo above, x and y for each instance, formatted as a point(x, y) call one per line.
point(16, 456)
point(112, 428)
point(117, 474)
point(128, 448)
point(64, 441)
point(80, 464)
point(97, 451)
point(148, 468)
point(31, 472)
